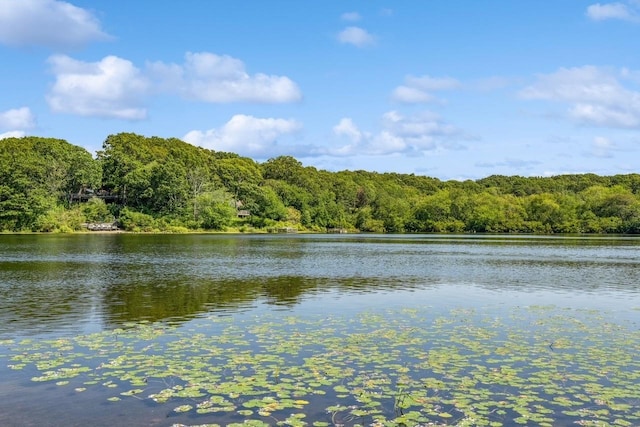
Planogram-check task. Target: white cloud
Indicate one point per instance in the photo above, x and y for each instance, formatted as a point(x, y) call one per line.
point(12, 134)
point(350, 16)
point(602, 115)
point(415, 134)
point(17, 118)
point(418, 89)
point(115, 88)
point(51, 23)
point(347, 128)
point(518, 164)
point(246, 135)
point(602, 12)
point(417, 126)
point(356, 36)
point(112, 87)
point(596, 96)
point(411, 95)
point(16, 121)
point(222, 79)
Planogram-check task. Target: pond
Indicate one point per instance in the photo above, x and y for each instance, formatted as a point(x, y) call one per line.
point(319, 330)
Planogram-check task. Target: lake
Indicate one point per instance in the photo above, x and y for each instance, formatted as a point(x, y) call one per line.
point(319, 330)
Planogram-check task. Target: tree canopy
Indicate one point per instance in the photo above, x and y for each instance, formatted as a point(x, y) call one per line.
point(159, 184)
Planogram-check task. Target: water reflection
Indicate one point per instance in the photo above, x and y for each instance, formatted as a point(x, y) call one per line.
point(70, 284)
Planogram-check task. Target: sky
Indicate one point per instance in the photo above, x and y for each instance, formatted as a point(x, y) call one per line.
point(450, 89)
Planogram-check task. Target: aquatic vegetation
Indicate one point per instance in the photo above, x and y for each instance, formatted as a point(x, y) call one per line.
point(527, 366)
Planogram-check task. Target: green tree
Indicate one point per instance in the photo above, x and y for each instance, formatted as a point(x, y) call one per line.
point(37, 174)
point(215, 210)
point(267, 205)
point(239, 175)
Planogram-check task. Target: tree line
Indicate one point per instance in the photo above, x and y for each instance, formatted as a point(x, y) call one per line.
point(157, 184)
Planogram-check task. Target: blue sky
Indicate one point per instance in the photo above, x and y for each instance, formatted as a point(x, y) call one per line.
point(443, 88)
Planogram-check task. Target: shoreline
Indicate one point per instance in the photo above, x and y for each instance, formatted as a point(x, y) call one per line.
point(354, 232)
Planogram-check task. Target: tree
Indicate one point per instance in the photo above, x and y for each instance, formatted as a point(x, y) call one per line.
point(215, 210)
point(239, 175)
point(170, 188)
point(267, 205)
point(167, 184)
point(37, 174)
point(285, 168)
point(96, 210)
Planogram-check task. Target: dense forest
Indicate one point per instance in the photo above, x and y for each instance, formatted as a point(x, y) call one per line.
point(157, 184)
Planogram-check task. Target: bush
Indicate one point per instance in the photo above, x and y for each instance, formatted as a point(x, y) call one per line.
point(373, 226)
point(137, 221)
point(59, 220)
point(96, 210)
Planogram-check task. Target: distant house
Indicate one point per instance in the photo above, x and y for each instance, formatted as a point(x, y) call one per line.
point(241, 213)
point(86, 194)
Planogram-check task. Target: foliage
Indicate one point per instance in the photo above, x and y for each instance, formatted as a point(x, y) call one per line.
point(36, 175)
point(166, 184)
point(131, 220)
point(215, 210)
point(59, 220)
point(96, 210)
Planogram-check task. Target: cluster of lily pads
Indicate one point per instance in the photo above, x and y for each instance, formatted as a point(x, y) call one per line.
point(538, 366)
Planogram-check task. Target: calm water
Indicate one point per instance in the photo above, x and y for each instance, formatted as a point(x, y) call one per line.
point(63, 286)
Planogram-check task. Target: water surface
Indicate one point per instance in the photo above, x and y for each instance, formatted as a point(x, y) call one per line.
point(65, 286)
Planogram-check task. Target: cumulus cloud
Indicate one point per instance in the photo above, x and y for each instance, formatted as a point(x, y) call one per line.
point(350, 16)
point(215, 78)
point(50, 23)
point(419, 89)
point(356, 36)
point(246, 135)
point(16, 121)
point(346, 127)
point(419, 127)
point(112, 87)
point(414, 134)
point(621, 11)
point(12, 134)
point(595, 96)
point(17, 118)
point(115, 88)
point(411, 95)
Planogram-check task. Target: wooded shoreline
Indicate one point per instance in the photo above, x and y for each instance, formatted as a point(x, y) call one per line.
point(151, 184)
